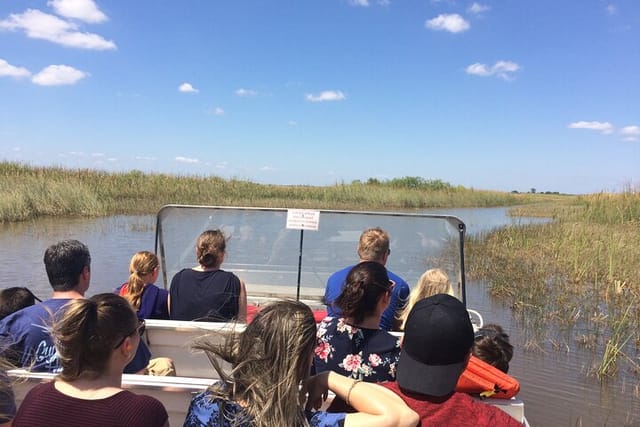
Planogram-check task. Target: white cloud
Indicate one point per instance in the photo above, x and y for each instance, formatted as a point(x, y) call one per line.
point(187, 88)
point(40, 25)
point(327, 95)
point(8, 70)
point(292, 123)
point(604, 127)
point(57, 75)
point(182, 159)
point(477, 8)
point(630, 133)
point(145, 158)
point(267, 169)
point(84, 10)
point(453, 23)
point(501, 69)
point(612, 9)
point(361, 3)
point(242, 92)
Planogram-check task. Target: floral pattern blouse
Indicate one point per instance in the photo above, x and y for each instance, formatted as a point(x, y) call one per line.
point(205, 412)
point(364, 354)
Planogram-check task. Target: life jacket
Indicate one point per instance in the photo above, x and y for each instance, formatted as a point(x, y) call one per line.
point(488, 381)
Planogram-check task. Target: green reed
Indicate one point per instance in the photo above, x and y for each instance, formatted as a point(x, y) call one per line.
point(579, 274)
point(28, 192)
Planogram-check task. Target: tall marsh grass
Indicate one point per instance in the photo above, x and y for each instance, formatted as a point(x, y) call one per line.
point(28, 192)
point(579, 273)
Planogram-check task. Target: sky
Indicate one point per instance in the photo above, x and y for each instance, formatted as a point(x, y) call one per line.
point(493, 95)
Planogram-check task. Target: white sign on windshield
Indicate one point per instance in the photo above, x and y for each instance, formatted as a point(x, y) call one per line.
point(303, 219)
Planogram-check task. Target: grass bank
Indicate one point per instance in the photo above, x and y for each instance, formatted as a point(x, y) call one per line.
point(28, 192)
point(574, 281)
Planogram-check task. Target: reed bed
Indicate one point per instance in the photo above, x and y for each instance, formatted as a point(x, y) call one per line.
point(575, 280)
point(28, 192)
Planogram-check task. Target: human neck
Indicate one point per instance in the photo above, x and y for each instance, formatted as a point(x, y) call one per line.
point(370, 322)
point(96, 388)
point(203, 268)
point(73, 294)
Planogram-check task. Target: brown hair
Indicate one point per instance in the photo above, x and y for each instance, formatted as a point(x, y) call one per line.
point(366, 283)
point(373, 244)
point(433, 281)
point(210, 248)
point(140, 268)
point(491, 344)
point(87, 332)
point(269, 359)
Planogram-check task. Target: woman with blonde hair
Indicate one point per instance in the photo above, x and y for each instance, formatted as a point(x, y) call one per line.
point(433, 281)
point(95, 339)
point(206, 292)
point(269, 380)
point(149, 301)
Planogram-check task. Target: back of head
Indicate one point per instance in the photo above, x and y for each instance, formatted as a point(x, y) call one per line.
point(140, 268)
point(436, 346)
point(87, 332)
point(366, 283)
point(210, 248)
point(491, 345)
point(14, 299)
point(373, 245)
point(269, 359)
point(433, 281)
point(64, 261)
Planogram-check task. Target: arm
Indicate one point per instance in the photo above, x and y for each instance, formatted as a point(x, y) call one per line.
point(242, 303)
point(376, 405)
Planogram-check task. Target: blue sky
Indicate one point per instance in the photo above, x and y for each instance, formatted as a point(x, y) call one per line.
point(500, 95)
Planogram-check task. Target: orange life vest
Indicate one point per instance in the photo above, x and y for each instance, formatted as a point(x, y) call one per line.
point(486, 380)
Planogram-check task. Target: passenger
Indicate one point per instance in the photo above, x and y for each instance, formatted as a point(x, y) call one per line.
point(14, 299)
point(149, 301)
point(491, 344)
point(206, 292)
point(372, 246)
point(95, 339)
point(25, 332)
point(354, 345)
point(7, 398)
point(433, 281)
point(435, 351)
point(270, 360)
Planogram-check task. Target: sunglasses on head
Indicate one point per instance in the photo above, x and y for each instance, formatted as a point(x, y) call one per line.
point(140, 328)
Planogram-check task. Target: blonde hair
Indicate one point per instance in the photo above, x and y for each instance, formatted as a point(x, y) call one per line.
point(141, 266)
point(433, 281)
point(87, 332)
point(373, 244)
point(210, 248)
point(269, 359)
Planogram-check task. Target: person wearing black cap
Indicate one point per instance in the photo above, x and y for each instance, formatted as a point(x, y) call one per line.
point(435, 351)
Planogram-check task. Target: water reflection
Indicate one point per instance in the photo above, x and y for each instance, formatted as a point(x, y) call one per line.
point(554, 386)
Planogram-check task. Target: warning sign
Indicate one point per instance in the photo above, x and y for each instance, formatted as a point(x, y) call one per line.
point(303, 219)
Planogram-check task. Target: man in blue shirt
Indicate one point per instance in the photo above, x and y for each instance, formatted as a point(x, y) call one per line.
point(372, 246)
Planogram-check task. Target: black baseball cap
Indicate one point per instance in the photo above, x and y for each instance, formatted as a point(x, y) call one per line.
point(438, 337)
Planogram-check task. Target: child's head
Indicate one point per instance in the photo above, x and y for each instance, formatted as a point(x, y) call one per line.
point(143, 269)
point(492, 345)
point(14, 299)
point(433, 281)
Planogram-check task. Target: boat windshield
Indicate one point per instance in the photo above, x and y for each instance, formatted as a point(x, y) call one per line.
point(276, 260)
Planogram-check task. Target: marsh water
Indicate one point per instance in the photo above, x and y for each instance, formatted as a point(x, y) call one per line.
point(555, 384)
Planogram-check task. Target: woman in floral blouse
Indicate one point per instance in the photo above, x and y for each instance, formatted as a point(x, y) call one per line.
point(354, 345)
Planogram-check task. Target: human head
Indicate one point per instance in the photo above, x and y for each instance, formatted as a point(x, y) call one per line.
point(491, 344)
point(433, 281)
point(14, 299)
point(366, 283)
point(436, 346)
point(143, 269)
point(269, 359)
point(88, 332)
point(374, 245)
point(210, 248)
point(67, 263)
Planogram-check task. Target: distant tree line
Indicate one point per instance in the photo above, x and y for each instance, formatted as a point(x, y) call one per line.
point(411, 182)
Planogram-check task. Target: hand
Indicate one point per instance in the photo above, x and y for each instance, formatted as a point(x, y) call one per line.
point(317, 390)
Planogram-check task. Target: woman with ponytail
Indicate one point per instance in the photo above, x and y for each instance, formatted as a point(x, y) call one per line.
point(149, 301)
point(354, 345)
point(95, 339)
point(206, 292)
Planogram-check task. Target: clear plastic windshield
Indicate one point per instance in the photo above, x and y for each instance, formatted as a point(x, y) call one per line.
point(274, 260)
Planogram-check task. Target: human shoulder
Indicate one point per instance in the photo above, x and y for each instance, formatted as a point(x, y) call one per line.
point(141, 409)
point(485, 414)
